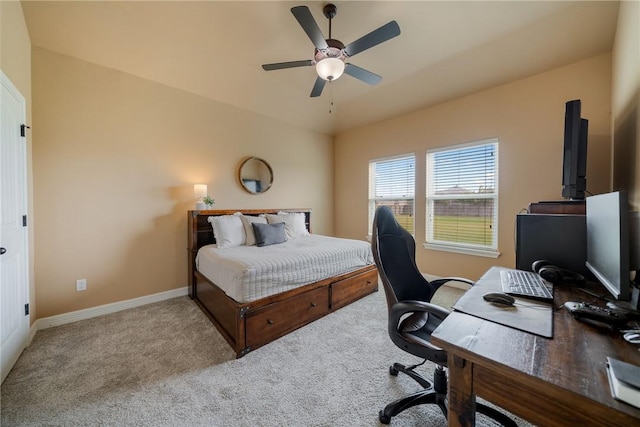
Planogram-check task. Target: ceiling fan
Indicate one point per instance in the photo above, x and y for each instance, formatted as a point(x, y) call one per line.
point(330, 54)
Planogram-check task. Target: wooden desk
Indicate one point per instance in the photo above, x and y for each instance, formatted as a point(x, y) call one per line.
point(559, 381)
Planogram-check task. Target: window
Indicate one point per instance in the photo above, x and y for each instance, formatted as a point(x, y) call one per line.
point(462, 198)
point(392, 183)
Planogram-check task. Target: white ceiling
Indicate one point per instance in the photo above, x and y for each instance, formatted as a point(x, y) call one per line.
point(215, 49)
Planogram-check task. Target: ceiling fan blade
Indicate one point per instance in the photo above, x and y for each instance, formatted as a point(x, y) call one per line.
point(290, 64)
point(309, 25)
point(375, 37)
point(317, 87)
point(362, 74)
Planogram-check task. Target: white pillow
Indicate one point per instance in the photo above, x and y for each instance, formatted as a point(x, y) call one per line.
point(297, 222)
point(247, 221)
point(294, 225)
point(228, 230)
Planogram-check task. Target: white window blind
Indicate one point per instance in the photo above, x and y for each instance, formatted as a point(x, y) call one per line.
point(392, 183)
point(462, 196)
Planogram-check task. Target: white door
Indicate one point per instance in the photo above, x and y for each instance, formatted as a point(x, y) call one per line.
point(14, 270)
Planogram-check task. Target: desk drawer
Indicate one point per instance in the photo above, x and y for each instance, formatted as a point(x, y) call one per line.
point(273, 321)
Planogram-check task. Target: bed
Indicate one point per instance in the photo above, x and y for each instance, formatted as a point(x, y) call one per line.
point(251, 316)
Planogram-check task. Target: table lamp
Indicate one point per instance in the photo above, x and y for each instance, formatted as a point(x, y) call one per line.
point(199, 191)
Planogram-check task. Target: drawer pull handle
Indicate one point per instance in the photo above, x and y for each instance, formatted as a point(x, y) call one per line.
point(313, 304)
point(269, 321)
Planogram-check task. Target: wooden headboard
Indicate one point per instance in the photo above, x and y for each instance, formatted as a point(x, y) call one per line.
point(200, 232)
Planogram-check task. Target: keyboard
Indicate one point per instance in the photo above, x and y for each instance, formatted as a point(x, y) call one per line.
point(526, 284)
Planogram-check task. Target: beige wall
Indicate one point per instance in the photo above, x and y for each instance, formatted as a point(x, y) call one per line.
point(528, 118)
point(625, 102)
point(115, 159)
point(15, 62)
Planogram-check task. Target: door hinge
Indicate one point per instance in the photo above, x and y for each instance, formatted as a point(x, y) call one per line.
point(26, 309)
point(24, 220)
point(23, 130)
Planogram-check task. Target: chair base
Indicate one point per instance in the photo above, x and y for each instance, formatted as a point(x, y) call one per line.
point(433, 393)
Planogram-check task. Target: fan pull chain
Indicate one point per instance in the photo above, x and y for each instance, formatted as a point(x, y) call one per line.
point(330, 96)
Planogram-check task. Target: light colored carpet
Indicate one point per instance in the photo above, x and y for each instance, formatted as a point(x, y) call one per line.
point(165, 364)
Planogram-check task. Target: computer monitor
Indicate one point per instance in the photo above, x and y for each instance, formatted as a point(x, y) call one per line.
point(574, 161)
point(608, 245)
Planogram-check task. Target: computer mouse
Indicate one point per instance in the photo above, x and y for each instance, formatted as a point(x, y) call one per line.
point(499, 298)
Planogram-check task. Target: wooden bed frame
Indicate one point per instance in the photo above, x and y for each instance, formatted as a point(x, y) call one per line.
point(247, 326)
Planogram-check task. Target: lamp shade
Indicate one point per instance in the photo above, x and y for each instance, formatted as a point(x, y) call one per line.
point(330, 68)
point(199, 191)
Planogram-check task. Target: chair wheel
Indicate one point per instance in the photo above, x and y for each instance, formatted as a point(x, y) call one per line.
point(393, 371)
point(384, 419)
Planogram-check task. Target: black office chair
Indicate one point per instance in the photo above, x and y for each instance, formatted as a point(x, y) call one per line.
point(412, 318)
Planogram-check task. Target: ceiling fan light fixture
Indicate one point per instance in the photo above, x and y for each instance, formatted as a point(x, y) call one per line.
point(330, 54)
point(330, 68)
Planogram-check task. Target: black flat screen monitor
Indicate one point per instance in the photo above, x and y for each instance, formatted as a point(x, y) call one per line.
point(574, 161)
point(608, 254)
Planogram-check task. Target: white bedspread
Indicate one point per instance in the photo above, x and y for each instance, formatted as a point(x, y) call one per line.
point(248, 273)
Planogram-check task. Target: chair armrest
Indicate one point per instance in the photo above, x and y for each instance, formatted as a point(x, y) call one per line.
point(418, 316)
point(402, 308)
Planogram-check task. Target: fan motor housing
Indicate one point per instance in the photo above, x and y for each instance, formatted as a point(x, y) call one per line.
point(335, 43)
point(335, 50)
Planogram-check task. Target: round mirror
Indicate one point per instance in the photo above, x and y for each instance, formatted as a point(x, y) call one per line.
point(255, 175)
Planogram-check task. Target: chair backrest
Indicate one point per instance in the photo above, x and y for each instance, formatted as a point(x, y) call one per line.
point(393, 250)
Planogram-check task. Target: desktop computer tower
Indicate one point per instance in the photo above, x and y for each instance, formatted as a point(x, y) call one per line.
point(560, 239)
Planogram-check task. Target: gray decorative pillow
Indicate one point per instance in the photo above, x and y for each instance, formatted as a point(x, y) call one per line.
point(269, 234)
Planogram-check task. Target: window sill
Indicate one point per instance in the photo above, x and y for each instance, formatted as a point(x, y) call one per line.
point(460, 250)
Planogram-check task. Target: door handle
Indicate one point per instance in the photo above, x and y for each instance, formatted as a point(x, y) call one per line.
point(3, 251)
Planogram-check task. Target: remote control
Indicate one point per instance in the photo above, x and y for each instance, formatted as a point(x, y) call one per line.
point(586, 311)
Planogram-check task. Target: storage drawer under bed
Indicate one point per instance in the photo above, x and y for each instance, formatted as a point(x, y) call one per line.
point(275, 320)
point(346, 291)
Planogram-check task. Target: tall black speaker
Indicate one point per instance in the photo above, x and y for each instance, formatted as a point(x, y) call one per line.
point(560, 239)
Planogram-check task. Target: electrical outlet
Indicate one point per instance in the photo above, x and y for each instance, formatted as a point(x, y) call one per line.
point(81, 285)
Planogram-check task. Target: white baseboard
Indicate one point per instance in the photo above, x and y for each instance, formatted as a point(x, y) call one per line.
point(32, 332)
point(458, 285)
point(452, 284)
point(88, 313)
